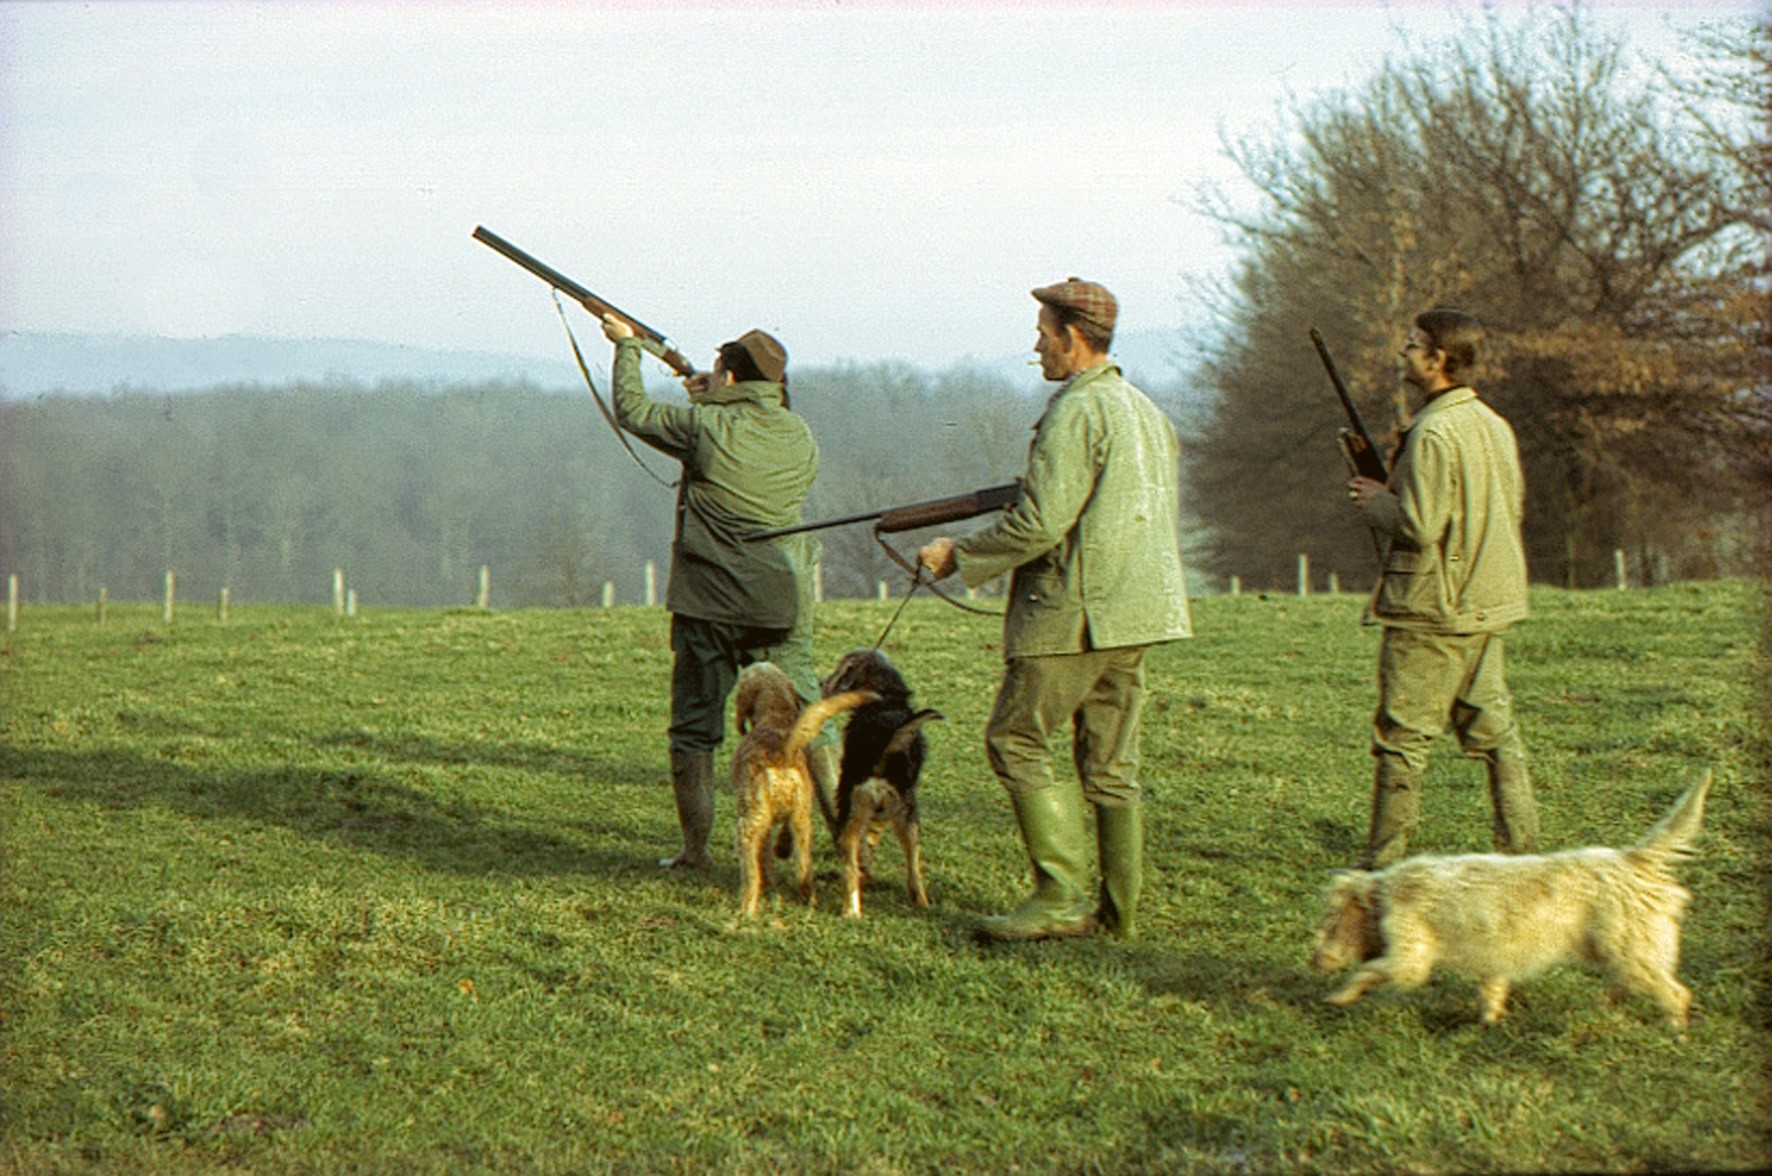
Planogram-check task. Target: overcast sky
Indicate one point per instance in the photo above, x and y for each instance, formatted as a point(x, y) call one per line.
point(867, 180)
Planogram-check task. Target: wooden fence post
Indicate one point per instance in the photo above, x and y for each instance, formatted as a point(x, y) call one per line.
point(651, 596)
point(338, 592)
point(1236, 585)
point(171, 582)
point(608, 594)
point(1618, 566)
point(12, 603)
point(483, 595)
point(1304, 574)
point(221, 607)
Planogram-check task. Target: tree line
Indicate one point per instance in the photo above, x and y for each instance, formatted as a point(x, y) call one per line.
point(411, 488)
point(1607, 219)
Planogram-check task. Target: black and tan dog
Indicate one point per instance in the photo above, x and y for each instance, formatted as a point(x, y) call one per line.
point(883, 751)
point(771, 780)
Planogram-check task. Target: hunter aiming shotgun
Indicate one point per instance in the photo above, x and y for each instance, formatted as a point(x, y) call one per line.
point(1356, 442)
point(653, 341)
point(890, 520)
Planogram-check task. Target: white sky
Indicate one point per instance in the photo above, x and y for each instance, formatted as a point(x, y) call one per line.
point(868, 180)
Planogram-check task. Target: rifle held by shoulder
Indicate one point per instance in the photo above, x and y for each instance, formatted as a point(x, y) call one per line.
point(917, 514)
point(653, 341)
point(1355, 441)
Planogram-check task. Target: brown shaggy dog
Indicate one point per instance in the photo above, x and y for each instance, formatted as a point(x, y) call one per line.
point(771, 780)
point(1500, 918)
point(883, 750)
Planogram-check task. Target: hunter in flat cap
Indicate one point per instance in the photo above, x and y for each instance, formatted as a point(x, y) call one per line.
point(1102, 472)
point(1089, 301)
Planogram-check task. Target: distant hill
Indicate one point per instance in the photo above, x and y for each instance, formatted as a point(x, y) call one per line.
point(37, 364)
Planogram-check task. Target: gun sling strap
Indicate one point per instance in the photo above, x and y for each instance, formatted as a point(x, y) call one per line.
point(608, 413)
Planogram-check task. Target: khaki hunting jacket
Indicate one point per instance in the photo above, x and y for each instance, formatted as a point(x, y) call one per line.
point(1093, 544)
point(1456, 562)
point(748, 463)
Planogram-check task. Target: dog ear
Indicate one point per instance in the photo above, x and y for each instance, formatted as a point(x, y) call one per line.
point(743, 702)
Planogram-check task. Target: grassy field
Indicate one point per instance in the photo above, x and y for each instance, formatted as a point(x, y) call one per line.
point(292, 894)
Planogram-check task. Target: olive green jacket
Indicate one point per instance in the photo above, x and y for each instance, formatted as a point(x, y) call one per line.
point(748, 463)
point(1093, 542)
point(1452, 508)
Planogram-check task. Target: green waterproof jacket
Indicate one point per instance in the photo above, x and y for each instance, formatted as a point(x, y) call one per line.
point(748, 463)
point(1456, 562)
point(1093, 543)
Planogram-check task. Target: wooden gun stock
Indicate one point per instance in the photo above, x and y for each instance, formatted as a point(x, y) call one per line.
point(918, 514)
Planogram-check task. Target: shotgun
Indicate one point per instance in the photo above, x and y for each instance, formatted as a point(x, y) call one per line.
point(651, 340)
point(1355, 441)
point(918, 514)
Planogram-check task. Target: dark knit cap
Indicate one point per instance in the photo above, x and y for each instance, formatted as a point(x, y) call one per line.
point(1087, 300)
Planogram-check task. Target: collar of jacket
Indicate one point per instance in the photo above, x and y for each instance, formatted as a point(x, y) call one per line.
point(1451, 398)
point(1086, 376)
point(755, 391)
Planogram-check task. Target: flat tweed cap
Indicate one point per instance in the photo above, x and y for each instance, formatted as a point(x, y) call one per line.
point(770, 356)
point(1088, 300)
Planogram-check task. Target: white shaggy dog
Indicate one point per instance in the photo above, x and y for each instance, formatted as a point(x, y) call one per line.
point(1500, 918)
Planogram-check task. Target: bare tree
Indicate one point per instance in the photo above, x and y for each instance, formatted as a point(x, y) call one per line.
point(1522, 172)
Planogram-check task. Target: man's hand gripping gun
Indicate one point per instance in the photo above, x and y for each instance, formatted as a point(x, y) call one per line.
point(1356, 443)
point(892, 519)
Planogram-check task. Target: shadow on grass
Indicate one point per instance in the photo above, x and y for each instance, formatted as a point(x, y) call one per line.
point(355, 808)
point(525, 757)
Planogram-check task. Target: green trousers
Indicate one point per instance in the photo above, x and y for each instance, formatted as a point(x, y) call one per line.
point(706, 657)
point(1099, 695)
point(1429, 683)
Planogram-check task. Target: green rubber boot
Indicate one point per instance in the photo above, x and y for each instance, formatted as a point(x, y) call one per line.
point(692, 780)
point(1057, 840)
point(1119, 838)
point(1510, 794)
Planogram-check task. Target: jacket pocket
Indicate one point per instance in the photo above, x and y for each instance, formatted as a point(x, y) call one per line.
point(1041, 616)
point(1414, 586)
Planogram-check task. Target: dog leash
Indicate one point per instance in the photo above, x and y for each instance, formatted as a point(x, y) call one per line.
point(916, 571)
point(608, 415)
point(916, 581)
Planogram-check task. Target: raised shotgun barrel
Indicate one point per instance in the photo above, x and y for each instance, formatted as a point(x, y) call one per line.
point(1356, 442)
point(652, 340)
point(917, 514)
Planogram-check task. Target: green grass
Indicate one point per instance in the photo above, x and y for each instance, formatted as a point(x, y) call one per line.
point(295, 894)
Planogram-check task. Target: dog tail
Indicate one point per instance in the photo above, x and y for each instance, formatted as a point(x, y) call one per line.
point(1672, 836)
point(821, 712)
